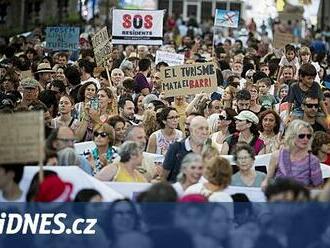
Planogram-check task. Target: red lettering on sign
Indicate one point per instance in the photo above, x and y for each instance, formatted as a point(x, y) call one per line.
point(127, 21)
point(148, 21)
point(137, 21)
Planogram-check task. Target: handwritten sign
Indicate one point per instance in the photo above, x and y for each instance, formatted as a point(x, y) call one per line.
point(170, 58)
point(282, 38)
point(102, 46)
point(22, 137)
point(226, 18)
point(189, 79)
point(62, 38)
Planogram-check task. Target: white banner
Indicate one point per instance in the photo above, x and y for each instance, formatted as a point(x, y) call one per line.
point(74, 175)
point(170, 58)
point(137, 27)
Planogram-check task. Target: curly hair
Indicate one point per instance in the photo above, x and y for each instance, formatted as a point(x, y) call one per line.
point(263, 114)
point(218, 171)
point(150, 122)
point(320, 138)
point(82, 89)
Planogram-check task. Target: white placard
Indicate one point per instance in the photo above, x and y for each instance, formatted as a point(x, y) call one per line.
point(170, 58)
point(137, 27)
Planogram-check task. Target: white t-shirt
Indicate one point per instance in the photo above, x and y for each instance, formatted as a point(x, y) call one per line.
point(199, 188)
point(178, 188)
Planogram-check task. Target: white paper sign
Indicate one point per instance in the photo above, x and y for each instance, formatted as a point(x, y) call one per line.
point(170, 58)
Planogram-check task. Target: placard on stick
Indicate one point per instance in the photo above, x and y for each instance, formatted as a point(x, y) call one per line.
point(102, 46)
point(189, 79)
point(22, 137)
point(282, 38)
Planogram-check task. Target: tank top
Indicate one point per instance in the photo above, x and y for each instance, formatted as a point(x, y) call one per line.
point(122, 175)
point(163, 143)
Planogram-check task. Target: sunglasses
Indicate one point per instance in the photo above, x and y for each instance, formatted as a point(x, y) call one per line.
point(310, 105)
point(303, 135)
point(103, 134)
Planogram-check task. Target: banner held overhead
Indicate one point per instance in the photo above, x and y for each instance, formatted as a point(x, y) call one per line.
point(137, 27)
point(189, 79)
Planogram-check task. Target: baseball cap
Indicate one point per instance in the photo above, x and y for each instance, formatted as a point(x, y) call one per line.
point(29, 83)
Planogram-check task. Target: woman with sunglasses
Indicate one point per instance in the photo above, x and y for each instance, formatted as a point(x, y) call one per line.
point(160, 140)
point(225, 126)
point(103, 154)
point(295, 160)
point(247, 132)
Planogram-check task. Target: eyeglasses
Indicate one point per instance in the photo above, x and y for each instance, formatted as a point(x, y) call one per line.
point(310, 105)
point(243, 158)
point(303, 135)
point(103, 134)
point(173, 117)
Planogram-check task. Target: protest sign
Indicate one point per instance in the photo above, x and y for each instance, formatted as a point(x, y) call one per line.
point(137, 27)
point(22, 137)
point(188, 79)
point(62, 38)
point(282, 38)
point(170, 58)
point(26, 74)
point(102, 46)
point(226, 18)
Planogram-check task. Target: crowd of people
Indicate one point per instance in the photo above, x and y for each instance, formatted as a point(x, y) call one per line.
point(267, 101)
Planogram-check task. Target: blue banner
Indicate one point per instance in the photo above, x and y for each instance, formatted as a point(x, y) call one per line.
point(125, 224)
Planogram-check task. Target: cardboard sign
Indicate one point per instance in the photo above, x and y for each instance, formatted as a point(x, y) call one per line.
point(102, 46)
point(226, 18)
point(281, 39)
point(62, 38)
point(22, 137)
point(26, 74)
point(189, 79)
point(137, 27)
point(170, 58)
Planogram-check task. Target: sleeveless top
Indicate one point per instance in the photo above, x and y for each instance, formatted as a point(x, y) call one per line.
point(163, 143)
point(256, 143)
point(111, 154)
point(307, 170)
point(123, 176)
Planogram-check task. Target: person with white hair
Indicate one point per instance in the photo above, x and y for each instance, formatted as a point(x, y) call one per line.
point(131, 156)
point(191, 172)
point(117, 77)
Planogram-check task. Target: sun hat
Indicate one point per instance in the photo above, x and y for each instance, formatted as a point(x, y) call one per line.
point(44, 67)
point(53, 189)
point(247, 115)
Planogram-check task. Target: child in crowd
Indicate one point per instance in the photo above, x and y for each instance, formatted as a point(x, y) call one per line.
point(265, 98)
point(290, 58)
